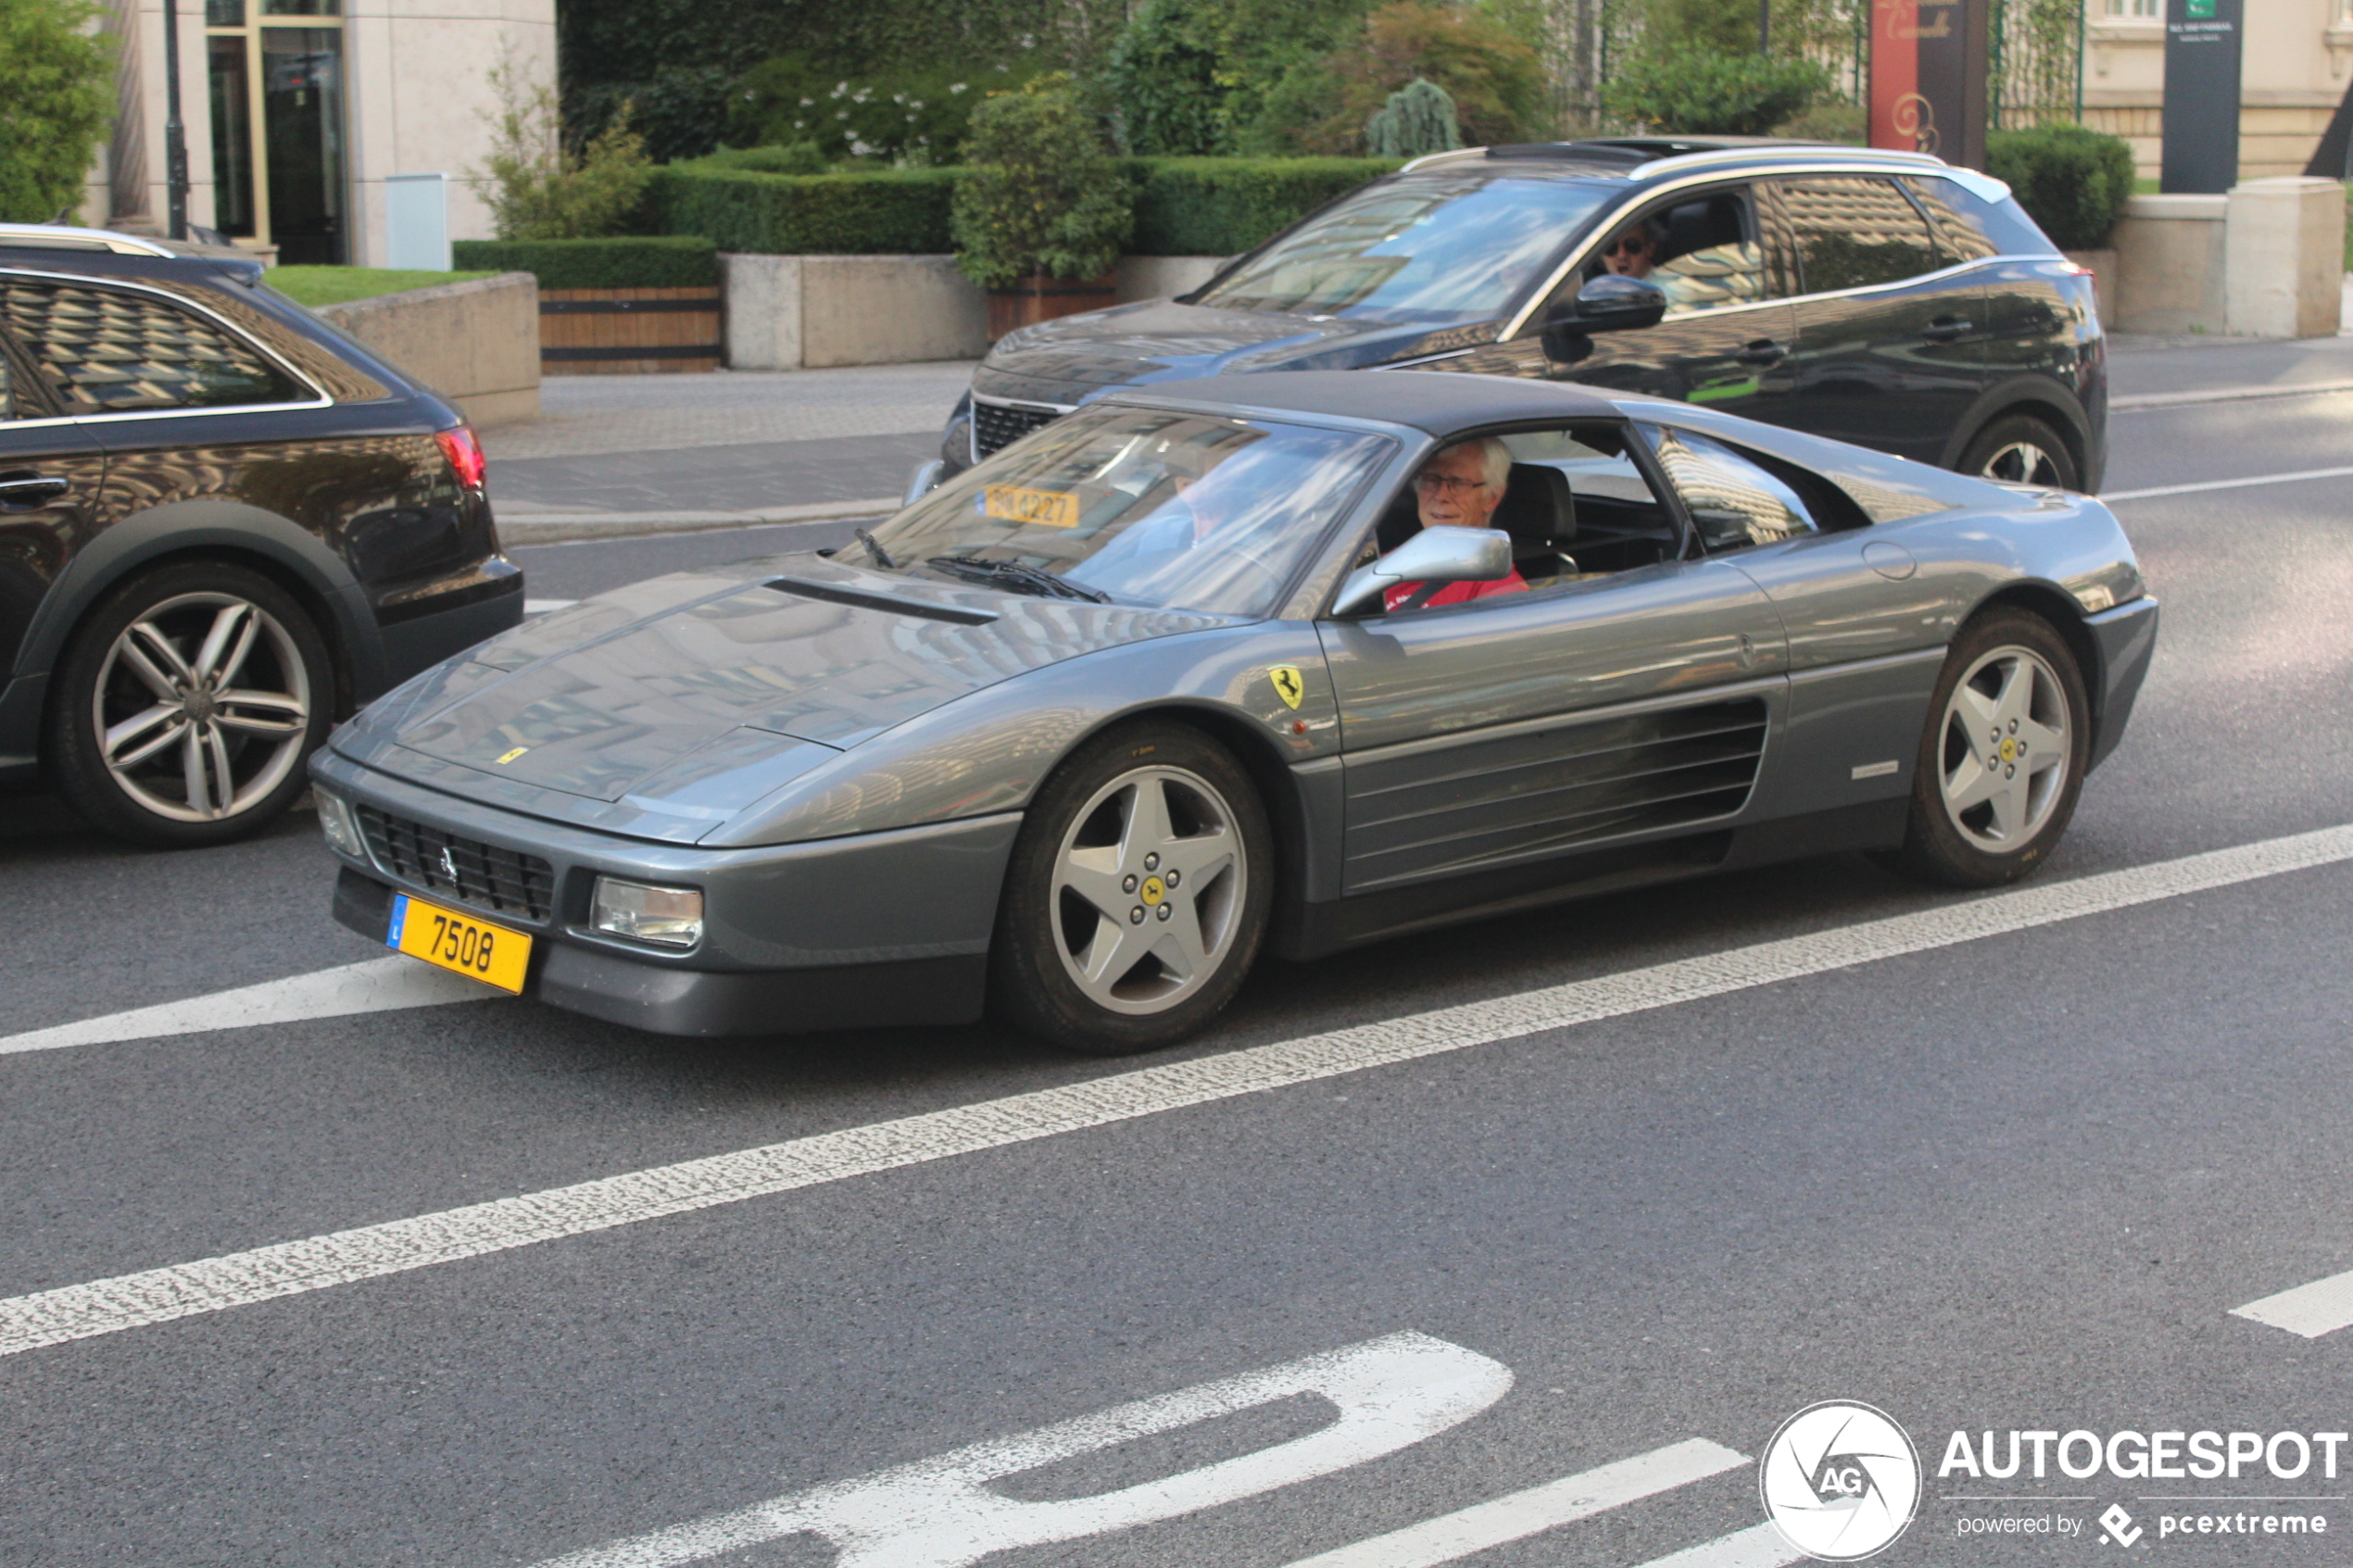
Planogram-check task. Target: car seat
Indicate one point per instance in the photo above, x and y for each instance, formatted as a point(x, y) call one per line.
point(1539, 514)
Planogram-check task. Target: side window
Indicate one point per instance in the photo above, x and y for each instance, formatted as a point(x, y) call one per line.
point(1855, 232)
point(109, 351)
point(1702, 249)
point(1970, 229)
point(1733, 503)
point(1578, 508)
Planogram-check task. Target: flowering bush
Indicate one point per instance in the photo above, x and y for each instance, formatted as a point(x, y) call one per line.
point(914, 119)
point(1042, 194)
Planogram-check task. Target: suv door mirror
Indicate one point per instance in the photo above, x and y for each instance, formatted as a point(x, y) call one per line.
point(1610, 302)
point(1436, 555)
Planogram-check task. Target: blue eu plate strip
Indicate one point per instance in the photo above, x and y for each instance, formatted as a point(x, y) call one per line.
point(400, 919)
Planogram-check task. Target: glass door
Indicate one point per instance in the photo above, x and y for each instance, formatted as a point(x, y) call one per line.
point(277, 94)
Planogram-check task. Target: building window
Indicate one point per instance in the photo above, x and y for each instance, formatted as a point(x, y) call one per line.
point(276, 91)
point(2140, 10)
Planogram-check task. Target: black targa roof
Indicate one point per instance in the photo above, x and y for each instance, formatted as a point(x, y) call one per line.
point(1436, 402)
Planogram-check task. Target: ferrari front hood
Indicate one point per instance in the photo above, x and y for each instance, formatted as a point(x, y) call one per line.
point(704, 691)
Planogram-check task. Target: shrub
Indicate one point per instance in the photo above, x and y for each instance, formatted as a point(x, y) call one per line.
point(1832, 120)
point(682, 111)
point(2071, 181)
point(1223, 207)
point(674, 262)
point(542, 187)
point(1163, 71)
point(1494, 77)
point(792, 158)
point(917, 118)
point(1419, 119)
point(1698, 93)
point(883, 212)
point(54, 109)
point(1042, 194)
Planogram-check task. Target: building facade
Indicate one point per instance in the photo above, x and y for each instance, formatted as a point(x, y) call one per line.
point(2295, 63)
point(295, 111)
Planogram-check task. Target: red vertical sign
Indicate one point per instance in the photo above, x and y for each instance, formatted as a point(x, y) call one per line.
point(1900, 116)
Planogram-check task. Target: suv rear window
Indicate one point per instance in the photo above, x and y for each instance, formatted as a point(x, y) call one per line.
point(1855, 232)
point(1970, 229)
point(112, 351)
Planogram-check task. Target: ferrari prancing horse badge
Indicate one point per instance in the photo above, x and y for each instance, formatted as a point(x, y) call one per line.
point(1287, 684)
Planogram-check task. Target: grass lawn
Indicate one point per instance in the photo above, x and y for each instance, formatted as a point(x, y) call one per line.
point(338, 285)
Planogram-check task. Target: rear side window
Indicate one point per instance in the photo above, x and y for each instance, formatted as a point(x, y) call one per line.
point(1970, 229)
point(1855, 232)
point(112, 351)
point(1732, 502)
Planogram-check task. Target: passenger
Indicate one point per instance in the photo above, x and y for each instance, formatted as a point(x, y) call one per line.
point(1460, 487)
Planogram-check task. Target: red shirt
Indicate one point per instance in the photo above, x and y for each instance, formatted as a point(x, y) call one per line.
point(1455, 593)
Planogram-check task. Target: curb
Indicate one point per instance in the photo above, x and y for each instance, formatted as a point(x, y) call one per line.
point(561, 528)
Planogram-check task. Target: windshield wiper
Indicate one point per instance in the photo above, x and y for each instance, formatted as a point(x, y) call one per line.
point(874, 549)
point(1017, 574)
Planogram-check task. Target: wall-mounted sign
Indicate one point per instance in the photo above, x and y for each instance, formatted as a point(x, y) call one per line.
point(2201, 146)
point(1928, 77)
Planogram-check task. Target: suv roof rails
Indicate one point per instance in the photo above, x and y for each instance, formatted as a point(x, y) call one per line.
point(1651, 154)
point(58, 237)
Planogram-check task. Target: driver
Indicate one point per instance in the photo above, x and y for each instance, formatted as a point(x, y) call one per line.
point(1460, 487)
point(1635, 250)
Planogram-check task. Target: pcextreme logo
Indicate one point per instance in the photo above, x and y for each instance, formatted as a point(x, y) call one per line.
point(1840, 1480)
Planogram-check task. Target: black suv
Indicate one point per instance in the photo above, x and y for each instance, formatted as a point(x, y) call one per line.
point(223, 525)
point(1878, 297)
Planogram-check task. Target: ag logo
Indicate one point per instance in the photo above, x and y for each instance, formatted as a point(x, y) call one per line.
point(1288, 685)
point(1840, 1481)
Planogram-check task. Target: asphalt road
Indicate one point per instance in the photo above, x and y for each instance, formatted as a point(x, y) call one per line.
point(2006, 1181)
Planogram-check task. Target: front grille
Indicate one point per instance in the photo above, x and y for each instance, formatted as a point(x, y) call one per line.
point(996, 426)
point(504, 882)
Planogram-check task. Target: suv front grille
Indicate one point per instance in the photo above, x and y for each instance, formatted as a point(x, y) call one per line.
point(504, 882)
point(996, 426)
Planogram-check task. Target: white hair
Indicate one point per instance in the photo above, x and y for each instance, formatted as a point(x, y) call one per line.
point(1495, 457)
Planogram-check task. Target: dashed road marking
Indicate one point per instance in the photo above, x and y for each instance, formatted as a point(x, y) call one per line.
point(2322, 1307)
point(1474, 1529)
point(263, 1274)
point(1760, 1546)
point(373, 985)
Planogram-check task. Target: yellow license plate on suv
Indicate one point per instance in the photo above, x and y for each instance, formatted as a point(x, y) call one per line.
point(460, 944)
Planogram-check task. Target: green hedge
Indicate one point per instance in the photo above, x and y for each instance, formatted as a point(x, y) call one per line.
point(670, 261)
point(1184, 206)
point(1225, 206)
point(2071, 181)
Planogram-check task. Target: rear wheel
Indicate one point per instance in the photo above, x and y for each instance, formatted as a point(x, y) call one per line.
point(1137, 895)
point(2021, 449)
point(186, 705)
point(2003, 760)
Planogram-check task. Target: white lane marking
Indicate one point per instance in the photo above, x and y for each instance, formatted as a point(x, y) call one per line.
point(2322, 1307)
point(108, 1306)
point(1392, 1392)
point(542, 606)
point(2297, 478)
point(1760, 1546)
point(1474, 1529)
point(373, 985)
point(2225, 394)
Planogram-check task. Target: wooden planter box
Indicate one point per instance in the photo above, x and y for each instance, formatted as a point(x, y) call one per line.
point(628, 331)
point(1037, 298)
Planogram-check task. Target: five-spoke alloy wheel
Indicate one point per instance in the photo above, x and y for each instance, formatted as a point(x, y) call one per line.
point(1138, 893)
point(188, 703)
point(2004, 756)
point(2018, 449)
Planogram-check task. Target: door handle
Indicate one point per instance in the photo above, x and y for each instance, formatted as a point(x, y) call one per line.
point(1946, 330)
point(18, 490)
point(1764, 351)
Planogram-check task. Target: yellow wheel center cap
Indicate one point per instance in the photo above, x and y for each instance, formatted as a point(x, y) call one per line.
point(2010, 750)
point(1154, 890)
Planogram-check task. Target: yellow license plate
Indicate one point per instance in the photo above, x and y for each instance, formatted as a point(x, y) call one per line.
point(1046, 508)
point(459, 943)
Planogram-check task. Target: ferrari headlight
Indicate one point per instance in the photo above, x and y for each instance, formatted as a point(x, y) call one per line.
point(666, 917)
point(342, 829)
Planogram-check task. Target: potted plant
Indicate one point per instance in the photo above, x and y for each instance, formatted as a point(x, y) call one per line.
point(1040, 220)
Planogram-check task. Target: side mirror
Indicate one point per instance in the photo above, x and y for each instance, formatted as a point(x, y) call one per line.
point(1607, 304)
point(1435, 554)
point(923, 482)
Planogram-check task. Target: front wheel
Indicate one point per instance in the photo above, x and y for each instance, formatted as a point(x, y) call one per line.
point(1137, 895)
point(2003, 758)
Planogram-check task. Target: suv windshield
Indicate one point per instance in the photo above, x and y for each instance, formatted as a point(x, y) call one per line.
point(1140, 507)
point(1443, 246)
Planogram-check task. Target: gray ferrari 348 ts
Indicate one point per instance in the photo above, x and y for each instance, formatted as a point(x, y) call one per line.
point(1211, 668)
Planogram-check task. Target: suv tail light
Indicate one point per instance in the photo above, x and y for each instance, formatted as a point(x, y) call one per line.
point(463, 449)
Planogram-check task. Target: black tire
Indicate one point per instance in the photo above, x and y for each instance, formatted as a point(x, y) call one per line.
point(1971, 846)
point(263, 735)
point(2021, 450)
point(1053, 917)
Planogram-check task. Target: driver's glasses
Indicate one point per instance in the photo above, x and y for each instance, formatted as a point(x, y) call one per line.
point(1628, 244)
point(1446, 484)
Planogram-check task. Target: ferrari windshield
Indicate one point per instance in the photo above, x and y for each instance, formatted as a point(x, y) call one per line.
point(1440, 247)
point(1138, 507)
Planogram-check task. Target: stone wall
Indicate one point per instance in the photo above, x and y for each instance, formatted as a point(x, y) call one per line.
point(476, 343)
